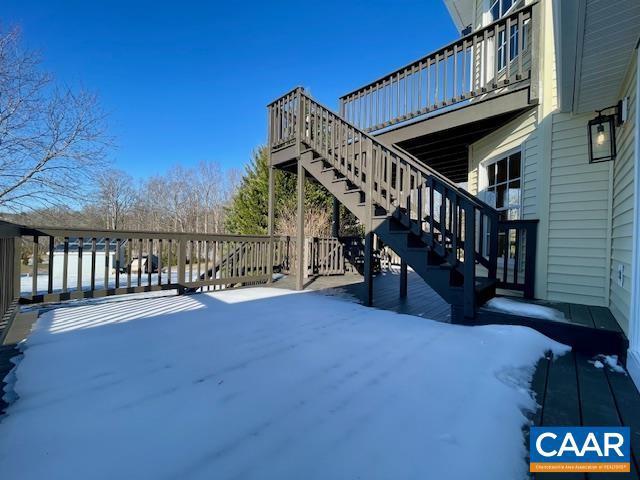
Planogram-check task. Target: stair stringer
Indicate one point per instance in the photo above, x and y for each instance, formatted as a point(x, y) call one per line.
point(417, 258)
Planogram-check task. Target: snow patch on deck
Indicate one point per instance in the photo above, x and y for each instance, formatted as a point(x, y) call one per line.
point(264, 383)
point(515, 307)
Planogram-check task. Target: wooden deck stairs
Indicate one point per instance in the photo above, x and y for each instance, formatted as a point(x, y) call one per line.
point(446, 235)
point(433, 225)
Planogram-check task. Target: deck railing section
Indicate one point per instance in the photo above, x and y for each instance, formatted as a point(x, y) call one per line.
point(325, 256)
point(68, 264)
point(9, 274)
point(80, 263)
point(517, 255)
point(445, 216)
point(489, 59)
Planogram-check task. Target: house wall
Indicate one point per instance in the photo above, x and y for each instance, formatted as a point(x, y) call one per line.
point(522, 134)
point(585, 210)
point(571, 197)
point(579, 216)
point(622, 205)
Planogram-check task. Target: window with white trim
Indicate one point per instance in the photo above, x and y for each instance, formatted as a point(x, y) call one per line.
point(497, 10)
point(504, 185)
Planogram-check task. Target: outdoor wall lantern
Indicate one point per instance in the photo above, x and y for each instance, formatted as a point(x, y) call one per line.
point(602, 134)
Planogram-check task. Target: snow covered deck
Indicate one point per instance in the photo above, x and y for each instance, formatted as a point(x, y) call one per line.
point(266, 383)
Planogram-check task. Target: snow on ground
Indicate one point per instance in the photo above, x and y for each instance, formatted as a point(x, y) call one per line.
point(26, 281)
point(270, 384)
point(516, 307)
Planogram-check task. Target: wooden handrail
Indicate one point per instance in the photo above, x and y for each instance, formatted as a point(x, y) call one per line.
point(153, 234)
point(457, 72)
point(434, 207)
point(72, 263)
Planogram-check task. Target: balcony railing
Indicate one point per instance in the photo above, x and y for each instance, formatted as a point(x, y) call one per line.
point(483, 62)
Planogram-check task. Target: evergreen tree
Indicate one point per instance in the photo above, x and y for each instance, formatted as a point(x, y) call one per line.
point(249, 207)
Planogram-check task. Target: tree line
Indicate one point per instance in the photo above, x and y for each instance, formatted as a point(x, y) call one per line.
point(184, 199)
point(55, 170)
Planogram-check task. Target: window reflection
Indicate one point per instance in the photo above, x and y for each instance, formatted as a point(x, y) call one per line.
point(504, 188)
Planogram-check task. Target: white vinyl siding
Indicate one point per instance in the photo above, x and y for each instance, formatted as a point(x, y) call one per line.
point(622, 209)
point(579, 193)
point(519, 133)
point(586, 228)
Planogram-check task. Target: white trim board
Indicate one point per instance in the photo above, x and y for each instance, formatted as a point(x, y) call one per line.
point(633, 362)
point(633, 367)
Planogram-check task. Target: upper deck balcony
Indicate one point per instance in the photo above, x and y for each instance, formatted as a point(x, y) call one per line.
point(467, 88)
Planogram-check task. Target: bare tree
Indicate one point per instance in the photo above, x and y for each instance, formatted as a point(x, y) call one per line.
point(209, 191)
point(317, 222)
point(183, 199)
point(115, 197)
point(50, 137)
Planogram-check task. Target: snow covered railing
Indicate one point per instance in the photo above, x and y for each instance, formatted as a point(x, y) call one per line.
point(49, 264)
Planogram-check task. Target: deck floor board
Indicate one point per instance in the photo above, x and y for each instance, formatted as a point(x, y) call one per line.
point(421, 300)
point(603, 319)
point(579, 393)
point(580, 314)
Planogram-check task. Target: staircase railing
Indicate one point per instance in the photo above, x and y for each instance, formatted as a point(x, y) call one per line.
point(470, 67)
point(449, 220)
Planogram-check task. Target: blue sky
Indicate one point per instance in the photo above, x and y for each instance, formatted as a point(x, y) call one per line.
point(189, 81)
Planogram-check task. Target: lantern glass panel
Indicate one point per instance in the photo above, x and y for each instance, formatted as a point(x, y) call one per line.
point(601, 140)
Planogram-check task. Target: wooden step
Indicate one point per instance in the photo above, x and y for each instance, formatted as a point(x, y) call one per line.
point(485, 290)
point(589, 340)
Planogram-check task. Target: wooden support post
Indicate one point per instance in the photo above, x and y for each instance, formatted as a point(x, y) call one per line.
point(469, 263)
point(271, 220)
point(368, 269)
point(17, 262)
point(536, 35)
point(335, 223)
point(181, 254)
point(493, 246)
point(50, 269)
point(530, 262)
point(403, 279)
point(300, 243)
point(368, 236)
